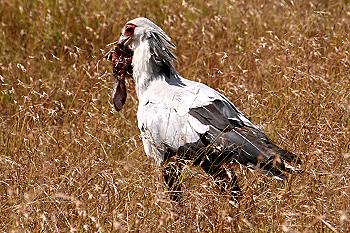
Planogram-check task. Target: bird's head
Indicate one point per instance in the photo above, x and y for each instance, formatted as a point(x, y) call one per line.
point(142, 29)
point(135, 31)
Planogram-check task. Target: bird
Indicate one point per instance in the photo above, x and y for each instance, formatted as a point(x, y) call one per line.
point(183, 121)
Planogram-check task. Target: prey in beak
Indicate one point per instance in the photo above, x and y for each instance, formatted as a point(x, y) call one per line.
point(121, 58)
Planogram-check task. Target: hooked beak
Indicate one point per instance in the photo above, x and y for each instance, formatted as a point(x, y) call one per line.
point(124, 40)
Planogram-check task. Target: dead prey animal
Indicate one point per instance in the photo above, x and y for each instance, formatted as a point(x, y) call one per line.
point(121, 59)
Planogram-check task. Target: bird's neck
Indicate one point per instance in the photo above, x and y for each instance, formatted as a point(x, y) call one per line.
point(145, 69)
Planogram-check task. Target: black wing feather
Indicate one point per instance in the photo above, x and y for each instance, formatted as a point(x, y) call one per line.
point(239, 142)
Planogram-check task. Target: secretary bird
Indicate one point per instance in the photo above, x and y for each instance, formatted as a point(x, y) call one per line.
point(182, 120)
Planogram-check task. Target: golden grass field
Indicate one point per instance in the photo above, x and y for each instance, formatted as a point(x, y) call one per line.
point(70, 163)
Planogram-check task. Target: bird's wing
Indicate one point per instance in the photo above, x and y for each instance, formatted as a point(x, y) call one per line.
point(231, 130)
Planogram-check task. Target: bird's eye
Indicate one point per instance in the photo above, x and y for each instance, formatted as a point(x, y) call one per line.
point(129, 29)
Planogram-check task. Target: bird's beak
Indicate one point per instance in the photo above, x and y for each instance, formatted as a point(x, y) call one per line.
point(124, 40)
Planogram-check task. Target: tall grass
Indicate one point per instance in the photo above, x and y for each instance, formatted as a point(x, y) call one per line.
point(69, 162)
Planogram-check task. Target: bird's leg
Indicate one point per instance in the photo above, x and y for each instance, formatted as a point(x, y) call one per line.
point(224, 179)
point(236, 191)
point(172, 178)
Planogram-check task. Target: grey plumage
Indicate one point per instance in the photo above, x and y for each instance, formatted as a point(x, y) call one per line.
point(187, 120)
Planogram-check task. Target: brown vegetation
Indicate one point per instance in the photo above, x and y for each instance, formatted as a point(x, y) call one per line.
point(69, 162)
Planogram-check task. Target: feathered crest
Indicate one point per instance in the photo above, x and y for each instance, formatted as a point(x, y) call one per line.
point(162, 50)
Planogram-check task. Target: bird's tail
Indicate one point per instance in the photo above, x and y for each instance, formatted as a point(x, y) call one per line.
point(251, 147)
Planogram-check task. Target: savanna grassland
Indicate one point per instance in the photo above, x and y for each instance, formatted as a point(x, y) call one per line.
point(70, 163)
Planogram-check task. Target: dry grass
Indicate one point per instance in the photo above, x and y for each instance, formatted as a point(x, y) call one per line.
point(69, 162)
